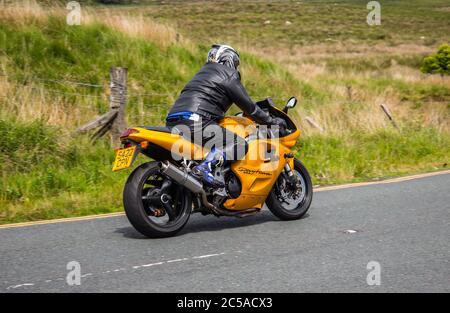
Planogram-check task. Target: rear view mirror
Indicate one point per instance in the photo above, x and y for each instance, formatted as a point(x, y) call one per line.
point(292, 102)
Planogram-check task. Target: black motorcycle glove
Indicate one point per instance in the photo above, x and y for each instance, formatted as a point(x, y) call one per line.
point(261, 117)
point(279, 122)
point(281, 125)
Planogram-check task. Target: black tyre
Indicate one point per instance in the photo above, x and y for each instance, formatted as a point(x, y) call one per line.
point(290, 202)
point(142, 181)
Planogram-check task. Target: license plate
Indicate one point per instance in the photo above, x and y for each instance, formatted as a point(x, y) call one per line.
point(124, 158)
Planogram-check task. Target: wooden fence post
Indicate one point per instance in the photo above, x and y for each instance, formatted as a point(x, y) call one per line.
point(313, 123)
point(389, 114)
point(118, 99)
point(349, 92)
point(114, 120)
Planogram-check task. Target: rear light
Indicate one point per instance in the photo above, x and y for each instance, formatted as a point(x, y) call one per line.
point(128, 132)
point(127, 145)
point(144, 144)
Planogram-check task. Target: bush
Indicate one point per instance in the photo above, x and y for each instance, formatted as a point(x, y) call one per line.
point(439, 62)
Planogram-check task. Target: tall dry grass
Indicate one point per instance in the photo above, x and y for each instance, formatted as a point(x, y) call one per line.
point(135, 26)
point(32, 101)
point(23, 12)
point(358, 108)
point(341, 114)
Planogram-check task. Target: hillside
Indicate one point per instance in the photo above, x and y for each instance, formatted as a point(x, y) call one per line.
point(54, 77)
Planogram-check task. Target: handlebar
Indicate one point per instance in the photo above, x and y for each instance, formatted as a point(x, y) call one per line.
point(269, 106)
point(281, 133)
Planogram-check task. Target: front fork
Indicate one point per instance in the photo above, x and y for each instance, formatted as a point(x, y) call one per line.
point(291, 177)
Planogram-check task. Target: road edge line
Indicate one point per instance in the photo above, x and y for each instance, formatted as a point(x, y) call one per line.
point(318, 189)
point(380, 182)
point(62, 220)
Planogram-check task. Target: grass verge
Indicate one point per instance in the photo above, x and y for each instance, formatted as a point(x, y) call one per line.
point(48, 172)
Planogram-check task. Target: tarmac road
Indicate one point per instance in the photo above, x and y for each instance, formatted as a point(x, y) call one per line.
point(404, 226)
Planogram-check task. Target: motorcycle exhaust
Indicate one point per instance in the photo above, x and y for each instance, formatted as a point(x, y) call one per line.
point(194, 185)
point(181, 177)
point(186, 180)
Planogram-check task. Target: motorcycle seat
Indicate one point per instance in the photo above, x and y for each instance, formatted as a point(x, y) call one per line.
point(162, 129)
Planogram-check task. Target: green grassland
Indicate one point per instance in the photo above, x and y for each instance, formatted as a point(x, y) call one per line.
point(310, 21)
point(49, 171)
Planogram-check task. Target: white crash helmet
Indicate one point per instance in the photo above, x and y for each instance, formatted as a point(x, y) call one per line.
point(223, 54)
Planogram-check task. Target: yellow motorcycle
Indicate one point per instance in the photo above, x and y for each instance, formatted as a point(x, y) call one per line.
point(159, 196)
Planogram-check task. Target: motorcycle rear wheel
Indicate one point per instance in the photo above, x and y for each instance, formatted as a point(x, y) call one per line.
point(138, 211)
point(287, 203)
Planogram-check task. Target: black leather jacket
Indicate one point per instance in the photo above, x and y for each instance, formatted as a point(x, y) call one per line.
point(212, 91)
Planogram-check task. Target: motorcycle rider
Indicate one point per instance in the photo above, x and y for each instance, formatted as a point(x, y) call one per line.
point(204, 101)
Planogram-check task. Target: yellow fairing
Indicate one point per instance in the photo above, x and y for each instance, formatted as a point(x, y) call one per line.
point(257, 172)
point(171, 142)
point(241, 126)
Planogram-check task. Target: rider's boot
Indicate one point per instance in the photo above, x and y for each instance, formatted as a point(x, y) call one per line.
point(205, 169)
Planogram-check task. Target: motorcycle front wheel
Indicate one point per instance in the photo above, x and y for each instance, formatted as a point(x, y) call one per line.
point(291, 202)
point(149, 219)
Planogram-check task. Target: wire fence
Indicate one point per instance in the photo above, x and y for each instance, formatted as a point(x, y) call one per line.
point(83, 84)
point(102, 87)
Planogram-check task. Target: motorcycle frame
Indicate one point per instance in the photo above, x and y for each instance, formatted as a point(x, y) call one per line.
point(256, 174)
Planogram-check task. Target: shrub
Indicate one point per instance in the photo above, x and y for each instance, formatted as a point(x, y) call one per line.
point(439, 62)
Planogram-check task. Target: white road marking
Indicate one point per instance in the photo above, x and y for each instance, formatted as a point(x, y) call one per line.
point(124, 269)
point(152, 264)
point(207, 256)
point(21, 285)
point(177, 260)
point(118, 270)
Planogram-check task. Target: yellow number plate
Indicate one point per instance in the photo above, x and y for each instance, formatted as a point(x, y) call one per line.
point(124, 157)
